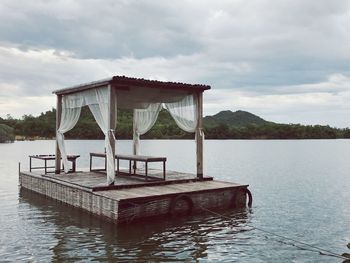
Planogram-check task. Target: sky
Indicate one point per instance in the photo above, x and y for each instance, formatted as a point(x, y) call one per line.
point(285, 61)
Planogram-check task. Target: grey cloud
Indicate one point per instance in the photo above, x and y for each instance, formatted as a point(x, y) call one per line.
point(94, 29)
point(276, 47)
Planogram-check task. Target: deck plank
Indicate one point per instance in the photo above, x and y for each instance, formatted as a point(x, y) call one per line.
point(152, 191)
point(92, 179)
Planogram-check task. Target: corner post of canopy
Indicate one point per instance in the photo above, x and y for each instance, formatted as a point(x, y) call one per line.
point(58, 120)
point(111, 123)
point(199, 136)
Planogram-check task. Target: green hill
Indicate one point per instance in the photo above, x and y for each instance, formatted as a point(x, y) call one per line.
point(234, 119)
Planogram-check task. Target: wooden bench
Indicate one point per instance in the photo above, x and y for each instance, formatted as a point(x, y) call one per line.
point(50, 157)
point(131, 158)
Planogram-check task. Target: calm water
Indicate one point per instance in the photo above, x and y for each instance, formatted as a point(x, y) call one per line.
point(301, 189)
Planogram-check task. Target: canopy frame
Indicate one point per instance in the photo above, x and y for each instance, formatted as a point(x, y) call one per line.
point(120, 84)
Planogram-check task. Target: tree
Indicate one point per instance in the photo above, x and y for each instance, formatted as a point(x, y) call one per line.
point(6, 133)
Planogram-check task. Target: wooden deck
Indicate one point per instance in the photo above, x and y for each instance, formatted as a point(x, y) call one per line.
point(96, 181)
point(132, 197)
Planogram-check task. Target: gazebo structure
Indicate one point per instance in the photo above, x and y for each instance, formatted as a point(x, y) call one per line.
point(128, 196)
point(145, 97)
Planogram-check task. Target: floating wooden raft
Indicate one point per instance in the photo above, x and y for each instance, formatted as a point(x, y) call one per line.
point(133, 199)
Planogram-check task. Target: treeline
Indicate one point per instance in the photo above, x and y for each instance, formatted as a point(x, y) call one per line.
point(276, 131)
point(6, 133)
point(29, 126)
point(43, 126)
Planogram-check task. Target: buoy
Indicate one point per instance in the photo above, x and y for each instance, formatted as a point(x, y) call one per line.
point(236, 201)
point(181, 205)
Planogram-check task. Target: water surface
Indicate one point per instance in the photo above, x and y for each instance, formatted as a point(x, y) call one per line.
point(300, 190)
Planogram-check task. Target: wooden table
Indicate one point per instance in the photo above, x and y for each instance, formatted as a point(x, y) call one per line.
point(131, 158)
point(49, 157)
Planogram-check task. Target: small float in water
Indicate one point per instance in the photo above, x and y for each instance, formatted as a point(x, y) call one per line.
point(136, 192)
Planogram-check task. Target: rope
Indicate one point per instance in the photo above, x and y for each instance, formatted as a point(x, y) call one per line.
point(321, 251)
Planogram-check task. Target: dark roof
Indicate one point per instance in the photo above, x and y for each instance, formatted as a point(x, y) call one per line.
point(123, 82)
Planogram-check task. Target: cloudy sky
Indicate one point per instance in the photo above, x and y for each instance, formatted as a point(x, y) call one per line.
point(286, 61)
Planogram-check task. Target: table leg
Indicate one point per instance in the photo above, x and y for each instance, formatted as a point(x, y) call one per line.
point(164, 170)
point(130, 167)
point(45, 166)
point(90, 162)
point(30, 164)
point(117, 166)
point(73, 165)
point(134, 167)
point(146, 170)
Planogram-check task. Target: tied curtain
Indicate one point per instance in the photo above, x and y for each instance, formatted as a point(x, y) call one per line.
point(69, 118)
point(144, 119)
point(97, 101)
point(184, 112)
point(100, 112)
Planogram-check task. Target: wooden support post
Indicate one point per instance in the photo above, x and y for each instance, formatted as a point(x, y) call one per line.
point(58, 121)
point(134, 149)
point(199, 136)
point(112, 119)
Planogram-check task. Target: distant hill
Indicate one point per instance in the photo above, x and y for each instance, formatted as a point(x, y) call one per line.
point(233, 119)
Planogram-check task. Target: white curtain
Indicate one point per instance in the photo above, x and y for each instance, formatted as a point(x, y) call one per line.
point(97, 100)
point(184, 112)
point(101, 113)
point(69, 118)
point(144, 120)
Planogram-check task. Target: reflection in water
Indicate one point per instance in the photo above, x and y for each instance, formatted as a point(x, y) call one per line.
point(81, 236)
